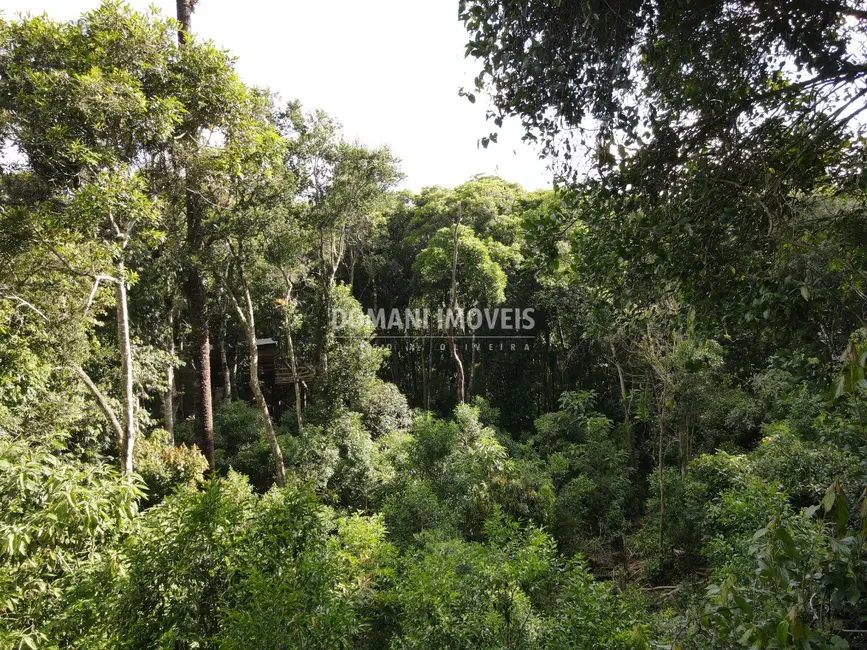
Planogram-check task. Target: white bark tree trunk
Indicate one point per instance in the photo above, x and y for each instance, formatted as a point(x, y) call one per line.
point(246, 315)
point(169, 397)
point(293, 365)
point(453, 306)
point(126, 377)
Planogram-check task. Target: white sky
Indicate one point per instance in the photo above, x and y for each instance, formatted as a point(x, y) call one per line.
point(389, 70)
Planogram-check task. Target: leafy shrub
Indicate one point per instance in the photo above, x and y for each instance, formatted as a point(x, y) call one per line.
point(414, 507)
point(181, 565)
point(383, 408)
point(357, 473)
point(298, 586)
point(796, 587)
point(732, 519)
point(239, 442)
point(61, 518)
point(513, 591)
point(311, 457)
point(433, 440)
point(805, 469)
point(683, 524)
point(229, 568)
point(164, 467)
point(352, 360)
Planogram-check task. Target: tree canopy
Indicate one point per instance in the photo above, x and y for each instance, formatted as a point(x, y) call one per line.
point(254, 393)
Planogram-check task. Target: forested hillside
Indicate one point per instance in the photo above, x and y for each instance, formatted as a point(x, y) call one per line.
point(253, 395)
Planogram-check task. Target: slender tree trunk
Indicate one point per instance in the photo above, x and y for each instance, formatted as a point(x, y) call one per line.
point(324, 337)
point(200, 339)
point(235, 367)
point(249, 322)
point(624, 399)
point(472, 365)
point(429, 373)
point(324, 328)
point(128, 396)
point(169, 396)
point(423, 359)
point(196, 295)
point(259, 397)
point(104, 405)
point(459, 366)
point(293, 365)
point(224, 363)
point(661, 484)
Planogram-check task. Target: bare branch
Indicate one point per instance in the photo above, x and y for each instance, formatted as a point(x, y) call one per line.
point(103, 404)
point(23, 303)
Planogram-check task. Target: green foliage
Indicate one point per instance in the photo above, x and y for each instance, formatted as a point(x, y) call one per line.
point(804, 469)
point(481, 278)
point(689, 407)
point(798, 579)
point(384, 408)
point(164, 467)
point(61, 518)
point(353, 359)
point(510, 592)
point(228, 568)
point(357, 473)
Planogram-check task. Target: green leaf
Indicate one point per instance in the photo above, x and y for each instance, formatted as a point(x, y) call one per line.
point(783, 633)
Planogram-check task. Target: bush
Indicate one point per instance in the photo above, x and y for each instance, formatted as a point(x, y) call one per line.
point(357, 474)
point(228, 568)
point(413, 507)
point(164, 467)
point(384, 408)
point(512, 591)
point(683, 527)
point(61, 520)
point(310, 457)
point(795, 586)
point(733, 518)
point(805, 469)
point(239, 442)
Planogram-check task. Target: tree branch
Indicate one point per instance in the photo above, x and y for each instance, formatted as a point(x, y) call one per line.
point(103, 404)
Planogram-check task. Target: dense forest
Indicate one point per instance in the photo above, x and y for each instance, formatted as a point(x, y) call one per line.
point(253, 395)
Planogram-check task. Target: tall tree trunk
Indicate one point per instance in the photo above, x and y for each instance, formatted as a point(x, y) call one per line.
point(194, 289)
point(661, 486)
point(256, 388)
point(128, 398)
point(424, 382)
point(472, 376)
point(624, 400)
point(430, 366)
point(246, 315)
point(297, 385)
point(200, 338)
point(234, 372)
point(185, 14)
point(224, 363)
point(453, 306)
point(323, 331)
point(169, 396)
point(293, 365)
